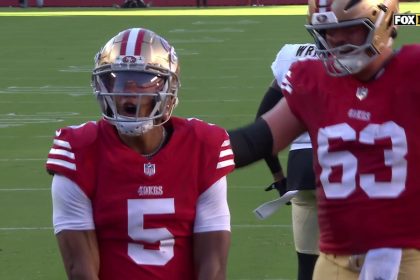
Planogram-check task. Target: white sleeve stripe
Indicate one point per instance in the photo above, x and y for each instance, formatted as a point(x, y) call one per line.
point(62, 163)
point(222, 164)
point(286, 87)
point(61, 152)
point(227, 152)
point(226, 143)
point(61, 143)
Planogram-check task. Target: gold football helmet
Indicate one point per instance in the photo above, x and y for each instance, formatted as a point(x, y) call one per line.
point(140, 67)
point(375, 15)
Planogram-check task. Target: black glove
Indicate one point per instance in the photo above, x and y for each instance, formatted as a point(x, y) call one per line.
point(280, 186)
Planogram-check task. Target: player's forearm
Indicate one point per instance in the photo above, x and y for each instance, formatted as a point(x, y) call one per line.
point(271, 97)
point(278, 176)
point(80, 254)
point(75, 274)
point(212, 270)
point(211, 254)
point(284, 126)
point(80, 269)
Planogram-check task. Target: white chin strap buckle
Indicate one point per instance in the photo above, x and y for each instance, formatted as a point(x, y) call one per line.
point(134, 128)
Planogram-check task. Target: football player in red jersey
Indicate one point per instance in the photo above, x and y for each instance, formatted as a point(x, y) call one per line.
point(364, 134)
point(300, 175)
point(140, 194)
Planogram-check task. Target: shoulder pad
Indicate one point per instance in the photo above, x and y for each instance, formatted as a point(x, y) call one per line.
point(204, 132)
point(216, 155)
point(408, 55)
point(78, 136)
point(303, 74)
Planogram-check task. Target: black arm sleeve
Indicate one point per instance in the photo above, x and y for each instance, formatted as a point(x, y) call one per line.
point(270, 99)
point(251, 143)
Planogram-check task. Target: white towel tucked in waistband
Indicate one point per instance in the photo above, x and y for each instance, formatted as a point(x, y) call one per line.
point(381, 263)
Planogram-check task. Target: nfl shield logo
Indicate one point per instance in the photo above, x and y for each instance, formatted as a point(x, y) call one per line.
point(361, 93)
point(149, 169)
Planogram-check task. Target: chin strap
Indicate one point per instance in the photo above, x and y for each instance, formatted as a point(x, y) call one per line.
point(133, 128)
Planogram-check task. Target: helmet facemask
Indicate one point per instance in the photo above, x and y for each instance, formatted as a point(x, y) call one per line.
point(134, 101)
point(348, 58)
point(136, 81)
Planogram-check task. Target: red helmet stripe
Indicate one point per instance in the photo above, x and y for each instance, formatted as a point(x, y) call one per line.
point(132, 41)
point(124, 42)
point(139, 42)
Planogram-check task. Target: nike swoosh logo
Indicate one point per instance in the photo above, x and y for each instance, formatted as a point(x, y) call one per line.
point(57, 132)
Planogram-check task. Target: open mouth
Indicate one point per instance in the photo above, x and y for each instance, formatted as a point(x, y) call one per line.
point(129, 110)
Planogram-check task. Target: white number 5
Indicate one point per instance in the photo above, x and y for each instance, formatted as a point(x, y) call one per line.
point(394, 158)
point(137, 208)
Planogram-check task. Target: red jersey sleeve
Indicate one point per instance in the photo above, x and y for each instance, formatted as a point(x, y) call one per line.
point(299, 86)
point(217, 154)
point(72, 155)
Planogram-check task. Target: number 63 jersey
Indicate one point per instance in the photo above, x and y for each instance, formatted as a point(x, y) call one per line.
point(144, 210)
point(366, 143)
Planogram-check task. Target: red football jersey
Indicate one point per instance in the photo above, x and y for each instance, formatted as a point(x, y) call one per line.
point(143, 209)
point(366, 143)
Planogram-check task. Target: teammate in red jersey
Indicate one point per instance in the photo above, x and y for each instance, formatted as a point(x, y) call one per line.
point(365, 137)
point(140, 194)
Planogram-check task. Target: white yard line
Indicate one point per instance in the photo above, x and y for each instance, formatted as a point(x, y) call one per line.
point(23, 189)
point(262, 226)
point(22, 159)
point(24, 228)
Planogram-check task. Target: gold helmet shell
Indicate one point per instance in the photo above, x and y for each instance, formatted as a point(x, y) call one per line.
point(375, 15)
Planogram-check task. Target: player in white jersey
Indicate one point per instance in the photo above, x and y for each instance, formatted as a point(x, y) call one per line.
point(300, 175)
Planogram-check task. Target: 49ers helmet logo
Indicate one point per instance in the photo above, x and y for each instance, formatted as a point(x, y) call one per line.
point(129, 59)
point(321, 18)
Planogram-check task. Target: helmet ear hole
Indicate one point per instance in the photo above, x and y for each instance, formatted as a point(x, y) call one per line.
point(394, 33)
point(168, 108)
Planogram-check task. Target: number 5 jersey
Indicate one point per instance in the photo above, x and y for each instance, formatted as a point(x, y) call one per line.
point(144, 210)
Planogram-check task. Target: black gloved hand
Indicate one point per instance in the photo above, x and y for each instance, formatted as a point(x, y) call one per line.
point(280, 186)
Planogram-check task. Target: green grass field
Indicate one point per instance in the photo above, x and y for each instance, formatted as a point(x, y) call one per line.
point(45, 84)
